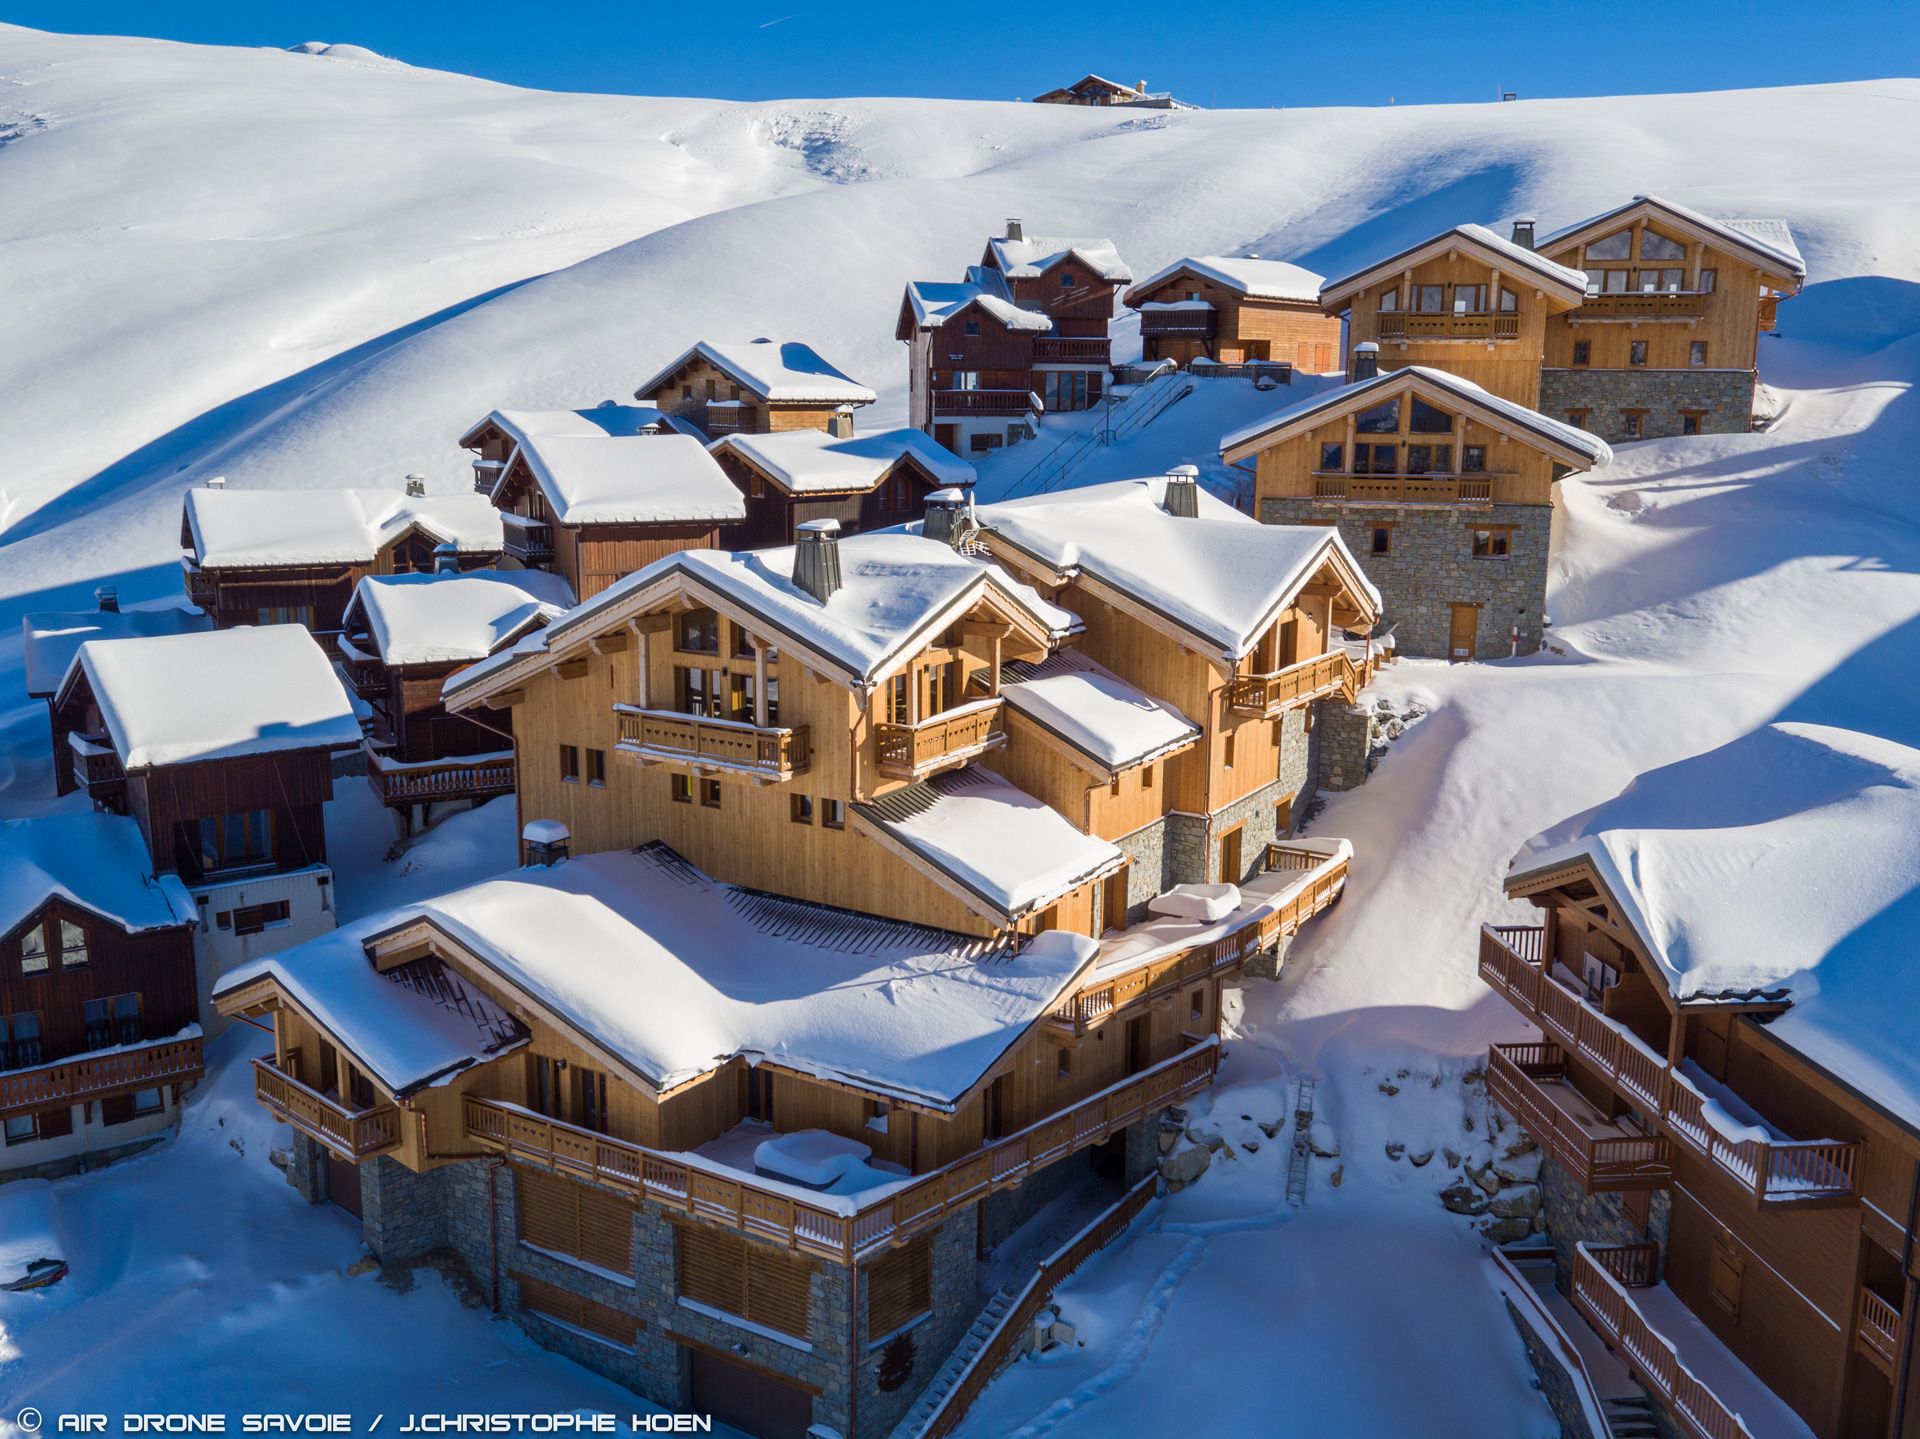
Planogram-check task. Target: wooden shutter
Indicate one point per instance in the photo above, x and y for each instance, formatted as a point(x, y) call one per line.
point(713, 1268)
point(606, 1230)
point(575, 1309)
point(750, 1280)
point(54, 1123)
point(1723, 1279)
point(899, 1288)
point(549, 1215)
point(779, 1291)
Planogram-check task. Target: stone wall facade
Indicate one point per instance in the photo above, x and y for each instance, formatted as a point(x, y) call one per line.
point(1431, 567)
point(1573, 1217)
point(1345, 735)
point(307, 1168)
point(403, 1214)
point(1722, 398)
point(1146, 850)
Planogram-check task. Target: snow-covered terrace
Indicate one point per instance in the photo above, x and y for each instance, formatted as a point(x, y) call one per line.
point(1099, 715)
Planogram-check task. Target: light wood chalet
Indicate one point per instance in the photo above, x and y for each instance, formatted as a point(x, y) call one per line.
point(99, 1009)
point(752, 389)
point(596, 494)
point(1096, 90)
point(1731, 1161)
point(403, 636)
point(1466, 301)
point(1234, 309)
point(1675, 300)
point(264, 557)
point(1443, 490)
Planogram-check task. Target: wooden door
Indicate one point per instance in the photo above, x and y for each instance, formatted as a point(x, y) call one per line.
point(343, 1184)
point(1463, 632)
point(947, 435)
point(747, 1399)
point(1230, 857)
point(1139, 1045)
point(1114, 898)
point(1710, 1043)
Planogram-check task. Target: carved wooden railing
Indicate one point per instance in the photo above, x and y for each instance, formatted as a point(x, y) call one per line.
point(1642, 304)
point(96, 1076)
point(949, 738)
point(986, 402)
point(1514, 1075)
point(722, 746)
point(1779, 1171)
point(202, 588)
point(1404, 489)
point(1648, 1353)
point(1170, 323)
point(1879, 1331)
point(529, 541)
point(1478, 325)
point(740, 1203)
point(95, 767)
point(1071, 347)
point(1274, 694)
point(357, 1134)
point(469, 778)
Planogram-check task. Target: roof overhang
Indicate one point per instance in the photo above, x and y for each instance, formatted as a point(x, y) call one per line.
point(1644, 207)
point(1561, 292)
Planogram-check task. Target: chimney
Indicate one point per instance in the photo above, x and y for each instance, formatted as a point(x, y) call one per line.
point(1523, 232)
point(417, 486)
point(446, 559)
point(544, 842)
point(1141, 88)
point(946, 519)
point(1013, 228)
point(1366, 361)
point(218, 482)
point(840, 423)
point(816, 559)
point(108, 599)
point(1183, 492)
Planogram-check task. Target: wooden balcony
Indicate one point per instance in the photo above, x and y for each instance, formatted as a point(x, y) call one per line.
point(837, 1231)
point(1013, 403)
point(97, 1076)
point(366, 676)
point(1271, 695)
point(1608, 1305)
point(1179, 324)
point(1877, 1332)
point(1640, 305)
point(1769, 311)
point(1073, 347)
point(947, 741)
point(351, 1133)
point(1529, 1081)
point(1774, 1173)
point(527, 541)
point(475, 777)
point(96, 768)
point(1404, 489)
point(1482, 326)
point(203, 589)
point(720, 749)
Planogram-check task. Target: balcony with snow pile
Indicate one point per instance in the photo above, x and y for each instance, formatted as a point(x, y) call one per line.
point(944, 741)
point(716, 748)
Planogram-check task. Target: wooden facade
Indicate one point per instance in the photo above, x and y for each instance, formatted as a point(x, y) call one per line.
point(722, 401)
point(1235, 328)
point(775, 513)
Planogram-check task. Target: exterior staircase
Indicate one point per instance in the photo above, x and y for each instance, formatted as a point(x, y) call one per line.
point(982, 1329)
point(1630, 1418)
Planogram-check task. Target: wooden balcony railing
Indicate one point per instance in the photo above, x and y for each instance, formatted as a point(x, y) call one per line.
point(529, 543)
point(1649, 1355)
point(1072, 347)
point(1522, 1078)
point(1774, 1172)
point(950, 738)
point(366, 676)
point(838, 1232)
point(719, 747)
point(1641, 305)
point(1271, 695)
point(986, 402)
point(203, 589)
point(1404, 489)
point(1878, 1332)
point(96, 1076)
point(356, 1134)
point(462, 777)
point(1769, 311)
point(96, 768)
point(1178, 324)
point(1165, 976)
point(1401, 325)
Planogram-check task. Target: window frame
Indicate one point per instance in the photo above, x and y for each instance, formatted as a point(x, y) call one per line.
point(681, 788)
point(226, 862)
point(37, 932)
point(800, 809)
point(1696, 354)
point(710, 794)
point(1636, 354)
point(1499, 546)
point(833, 814)
point(1582, 354)
point(570, 764)
point(1377, 531)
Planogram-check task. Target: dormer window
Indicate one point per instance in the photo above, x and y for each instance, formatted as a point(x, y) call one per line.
point(973, 327)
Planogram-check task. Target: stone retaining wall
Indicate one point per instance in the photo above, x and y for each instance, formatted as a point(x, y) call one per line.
point(1726, 396)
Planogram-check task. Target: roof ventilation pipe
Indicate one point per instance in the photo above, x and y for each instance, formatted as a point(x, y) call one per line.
point(840, 423)
point(446, 559)
point(1183, 492)
point(1523, 232)
point(816, 559)
point(108, 598)
point(1366, 361)
point(417, 486)
point(544, 841)
point(1014, 231)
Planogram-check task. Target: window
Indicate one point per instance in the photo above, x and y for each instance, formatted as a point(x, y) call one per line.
point(1690, 422)
point(1509, 302)
point(1577, 418)
point(1063, 1065)
point(592, 1095)
point(697, 691)
point(256, 919)
point(1197, 1004)
point(1491, 544)
point(1655, 246)
point(1473, 460)
point(1630, 424)
point(1064, 390)
point(235, 841)
point(1333, 457)
point(985, 441)
point(686, 392)
point(699, 632)
point(287, 615)
point(753, 1281)
point(1066, 279)
point(1419, 459)
point(1637, 352)
point(73, 945)
point(1389, 301)
point(1697, 354)
point(1146, 776)
point(683, 789)
point(33, 951)
point(1375, 459)
point(147, 1101)
point(1432, 298)
point(833, 814)
point(1666, 282)
point(1469, 299)
point(1113, 787)
point(800, 808)
point(1382, 541)
point(20, 1040)
point(1227, 761)
point(1617, 246)
point(973, 327)
point(1429, 421)
point(1380, 420)
point(897, 702)
point(113, 1021)
point(597, 768)
point(1581, 350)
point(570, 763)
point(21, 1128)
point(710, 793)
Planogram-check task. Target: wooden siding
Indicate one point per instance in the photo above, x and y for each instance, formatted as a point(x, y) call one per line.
point(594, 556)
point(294, 784)
point(689, 389)
point(1249, 329)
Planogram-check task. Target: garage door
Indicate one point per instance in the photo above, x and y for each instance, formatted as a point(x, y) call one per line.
point(748, 1400)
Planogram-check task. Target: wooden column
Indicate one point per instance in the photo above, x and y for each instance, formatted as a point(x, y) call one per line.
point(993, 679)
point(759, 681)
point(1350, 434)
point(1694, 253)
point(643, 660)
point(914, 679)
point(1493, 293)
point(1677, 1039)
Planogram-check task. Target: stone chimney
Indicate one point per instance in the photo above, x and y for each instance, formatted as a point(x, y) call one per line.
point(1523, 232)
point(417, 486)
point(218, 482)
point(1013, 228)
point(1183, 492)
point(816, 559)
point(840, 423)
point(108, 598)
point(544, 841)
point(1366, 361)
point(446, 559)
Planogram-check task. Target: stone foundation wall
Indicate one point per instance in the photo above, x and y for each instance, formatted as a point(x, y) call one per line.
point(404, 1213)
point(307, 1168)
point(1345, 738)
point(1725, 395)
point(1595, 1218)
point(1147, 873)
point(1556, 1380)
point(1432, 567)
point(956, 1303)
point(1008, 1209)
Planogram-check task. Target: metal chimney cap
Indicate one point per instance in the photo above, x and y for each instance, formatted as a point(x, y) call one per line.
point(1366, 347)
point(1014, 229)
point(947, 497)
point(108, 598)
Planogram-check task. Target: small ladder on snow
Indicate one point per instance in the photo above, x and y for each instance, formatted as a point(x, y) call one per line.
point(1302, 1145)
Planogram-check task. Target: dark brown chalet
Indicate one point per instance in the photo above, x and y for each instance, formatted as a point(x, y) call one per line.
point(752, 389)
point(99, 1006)
point(267, 557)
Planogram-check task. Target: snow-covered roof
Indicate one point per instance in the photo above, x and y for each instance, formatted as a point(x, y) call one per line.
point(1094, 710)
point(675, 973)
point(1222, 576)
point(607, 419)
point(1788, 860)
point(1256, 279)
point(1770, 239)
point(433, 619)
point(51, 638)
point(775, 370)
point(814, 462)
point(934, 302)
point(1573, 282)
point(992, 838)
point(97, 861)
point(631, 479)
point(1236, 443)
point(237, 529)
point(178, 698)
point(1034, 255)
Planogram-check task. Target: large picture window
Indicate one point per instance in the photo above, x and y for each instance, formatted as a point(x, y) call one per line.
point(1380, 420)
point(1430, 421)
point(233, 841)
point(699, 632)
point(113, 1021)
point(19, 1040)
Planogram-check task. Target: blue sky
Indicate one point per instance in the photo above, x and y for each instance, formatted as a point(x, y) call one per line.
point(1233, 55)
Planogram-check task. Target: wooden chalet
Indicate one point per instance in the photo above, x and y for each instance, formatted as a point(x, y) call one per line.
point(220, 747)
point(1466, 301)
point(403, 636)
point(1095, 90)
point(1236, 310)
point(593, 495)
point(753, 389)
point(267, 557)
point(1723, 1086)
point(1443, 490)
point(1665, 340)
point(99, 1008)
